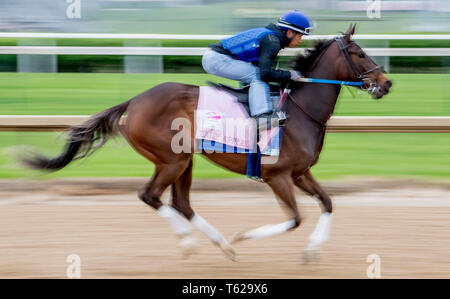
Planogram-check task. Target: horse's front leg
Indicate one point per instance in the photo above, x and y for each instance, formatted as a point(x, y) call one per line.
point(283, 187)
point(321, 233)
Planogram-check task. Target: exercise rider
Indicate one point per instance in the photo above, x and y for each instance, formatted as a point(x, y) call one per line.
point(249, 57)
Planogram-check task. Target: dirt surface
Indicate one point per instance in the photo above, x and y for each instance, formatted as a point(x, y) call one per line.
point(405, 223)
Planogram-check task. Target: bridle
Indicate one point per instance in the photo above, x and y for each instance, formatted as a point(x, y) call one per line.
point(372, 87)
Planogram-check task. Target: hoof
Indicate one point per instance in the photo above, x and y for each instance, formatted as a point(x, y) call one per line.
point(309, 256)
point(188, 246)
point(238, 237)
point(228, 251)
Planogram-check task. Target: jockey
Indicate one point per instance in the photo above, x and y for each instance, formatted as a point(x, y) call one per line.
point(249, 57)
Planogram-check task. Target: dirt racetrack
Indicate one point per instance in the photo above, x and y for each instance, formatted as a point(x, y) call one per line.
point(407, 224)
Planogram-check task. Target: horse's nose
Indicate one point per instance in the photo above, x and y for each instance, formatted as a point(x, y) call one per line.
point(386, 86)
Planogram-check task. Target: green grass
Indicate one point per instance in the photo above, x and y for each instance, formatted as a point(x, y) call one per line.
point(115, 159)
point(78, 94)
point(85, 94)
point(345, 154)
point(396, 155)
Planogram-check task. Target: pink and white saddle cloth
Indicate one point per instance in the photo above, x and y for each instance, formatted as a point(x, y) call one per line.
point(223, 125)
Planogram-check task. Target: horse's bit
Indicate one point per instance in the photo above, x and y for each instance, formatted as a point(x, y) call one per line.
point(372, 86)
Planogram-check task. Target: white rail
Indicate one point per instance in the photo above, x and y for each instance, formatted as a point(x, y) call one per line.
point(391, 124)
point(194, 51)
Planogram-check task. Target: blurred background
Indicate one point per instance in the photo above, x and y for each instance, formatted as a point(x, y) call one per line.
point(217, 16)
point(85, 84)
point(390, 190)
point(209, 17)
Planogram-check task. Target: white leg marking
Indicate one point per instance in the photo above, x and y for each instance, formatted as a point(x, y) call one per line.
point(322, 232)
point(210, 231)
point(178, 222)
point(214, 235)
point(269, 230)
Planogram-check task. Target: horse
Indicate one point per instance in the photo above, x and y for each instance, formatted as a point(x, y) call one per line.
point(149, 130)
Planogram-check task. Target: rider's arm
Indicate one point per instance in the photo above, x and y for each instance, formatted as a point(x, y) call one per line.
point(269, 48)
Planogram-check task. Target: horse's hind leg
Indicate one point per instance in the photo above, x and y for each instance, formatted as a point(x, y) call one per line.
point(321, 233)
point(180, 193)
point(165, 175)
point(283, 188)
point(181, 202)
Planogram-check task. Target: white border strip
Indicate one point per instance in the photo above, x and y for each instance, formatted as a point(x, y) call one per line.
point(191, 51)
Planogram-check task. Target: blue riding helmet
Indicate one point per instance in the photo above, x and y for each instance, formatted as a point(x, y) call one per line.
point(296, 21)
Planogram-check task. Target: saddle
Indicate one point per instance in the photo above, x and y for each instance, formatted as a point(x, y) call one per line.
point(224, 125)
point(241, 94)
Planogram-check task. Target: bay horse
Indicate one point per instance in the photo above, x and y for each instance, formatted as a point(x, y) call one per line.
point(148, 129)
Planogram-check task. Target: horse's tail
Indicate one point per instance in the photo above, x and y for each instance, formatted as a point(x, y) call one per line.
point(83, 139)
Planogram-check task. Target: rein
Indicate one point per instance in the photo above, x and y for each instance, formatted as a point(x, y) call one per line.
point(322, 124)
point(311, 80)
point(344, 50)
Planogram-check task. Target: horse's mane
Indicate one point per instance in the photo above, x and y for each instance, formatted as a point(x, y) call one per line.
point(303, 62)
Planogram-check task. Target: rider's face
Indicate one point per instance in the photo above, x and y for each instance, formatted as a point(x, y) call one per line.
point(296, 38)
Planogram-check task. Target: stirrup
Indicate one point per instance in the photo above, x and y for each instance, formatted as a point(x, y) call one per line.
point(257, 179)
point(281, 116)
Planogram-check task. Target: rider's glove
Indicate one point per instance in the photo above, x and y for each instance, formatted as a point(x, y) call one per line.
point(295, 75)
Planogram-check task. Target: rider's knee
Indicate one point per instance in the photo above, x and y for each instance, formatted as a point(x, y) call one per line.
point(205, 63)
point(208, 60)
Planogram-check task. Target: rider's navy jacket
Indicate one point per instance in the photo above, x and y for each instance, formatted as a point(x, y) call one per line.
point(269, 46)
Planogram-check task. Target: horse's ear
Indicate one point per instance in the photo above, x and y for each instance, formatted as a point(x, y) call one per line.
point(350, 31)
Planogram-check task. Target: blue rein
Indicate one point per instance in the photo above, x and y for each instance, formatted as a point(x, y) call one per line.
point(310, 80)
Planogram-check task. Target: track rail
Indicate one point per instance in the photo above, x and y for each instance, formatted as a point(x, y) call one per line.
point(195, 51)
point(380, 124)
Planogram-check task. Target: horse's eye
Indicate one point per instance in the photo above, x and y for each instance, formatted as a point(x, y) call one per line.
point(362, 55)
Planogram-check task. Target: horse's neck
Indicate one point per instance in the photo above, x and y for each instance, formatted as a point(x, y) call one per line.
point(318, 100)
